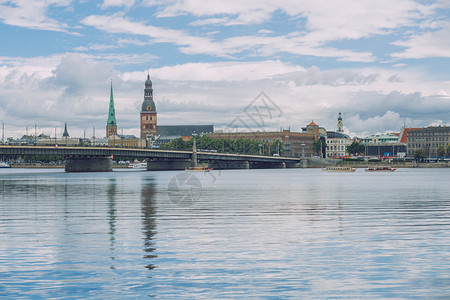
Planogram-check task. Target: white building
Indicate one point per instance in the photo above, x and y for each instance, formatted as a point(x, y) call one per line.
point(337, 141)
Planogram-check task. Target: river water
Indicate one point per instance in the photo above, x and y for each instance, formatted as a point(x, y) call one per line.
point(250, 234)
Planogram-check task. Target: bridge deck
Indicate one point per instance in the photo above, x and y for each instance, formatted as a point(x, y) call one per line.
point(137, 153)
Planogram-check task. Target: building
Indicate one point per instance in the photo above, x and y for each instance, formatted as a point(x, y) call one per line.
point(340, 125)
point(126, 141)
point(390, 138)
point(65, 133)
point(337, 141)
point(148, 112)
point(167, 133)
point(184, 130)
point(111, 124)
point(428, 140)
point(295, 144)
point(402, 138)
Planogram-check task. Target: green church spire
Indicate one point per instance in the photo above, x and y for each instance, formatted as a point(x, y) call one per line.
point(112, 111)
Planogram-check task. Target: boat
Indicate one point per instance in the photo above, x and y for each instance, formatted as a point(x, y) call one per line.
point(142, 165)
point(198, 169)
point(4, 165)
point(381, 169)
point(339, 169)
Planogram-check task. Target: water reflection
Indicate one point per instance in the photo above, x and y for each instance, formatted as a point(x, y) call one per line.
point(111, 194)
point(148, 217)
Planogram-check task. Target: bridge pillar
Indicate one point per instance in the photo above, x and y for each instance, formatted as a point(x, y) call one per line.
point(226, 165)
point(303, 163)
point(166, 164)
point(88, 164)
point(293, 165)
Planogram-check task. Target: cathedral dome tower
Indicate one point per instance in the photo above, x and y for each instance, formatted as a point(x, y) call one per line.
point(148, 111)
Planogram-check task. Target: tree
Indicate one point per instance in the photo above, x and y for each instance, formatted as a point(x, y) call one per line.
point(448, 149)
point(318, 145)
point(440, 150)
point(419, 154)
point(276, 147)
point(355, 148)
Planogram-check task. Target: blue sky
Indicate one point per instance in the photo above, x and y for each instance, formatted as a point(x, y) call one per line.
point(382, 63)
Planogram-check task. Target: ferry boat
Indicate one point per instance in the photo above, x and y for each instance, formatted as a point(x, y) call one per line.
point(142, 165)
point(339, 169)
point(381, 169)
point(198, 169)
point(4, 165)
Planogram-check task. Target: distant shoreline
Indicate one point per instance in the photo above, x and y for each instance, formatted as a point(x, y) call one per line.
point(41, 166)
point(349, 164)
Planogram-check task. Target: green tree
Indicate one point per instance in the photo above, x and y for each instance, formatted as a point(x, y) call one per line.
point(440, 150)
point(419, 154)
point(355, 148)
point(318, 145)
point(276, 147)
point(448, 149)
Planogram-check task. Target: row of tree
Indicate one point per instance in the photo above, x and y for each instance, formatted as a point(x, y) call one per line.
point(356, 148)
point(241, 146)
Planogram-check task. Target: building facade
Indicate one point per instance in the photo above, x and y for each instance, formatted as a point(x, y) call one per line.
point(126, 141)
point(295, 144)
point(428, 140)
point(148, 116)
point(111, 124)
point(337, 143)
point(390, 138)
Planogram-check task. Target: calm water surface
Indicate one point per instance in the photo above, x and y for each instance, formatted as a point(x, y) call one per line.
point(251, 234)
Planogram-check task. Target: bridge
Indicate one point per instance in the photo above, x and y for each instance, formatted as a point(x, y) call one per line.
point(99, 159)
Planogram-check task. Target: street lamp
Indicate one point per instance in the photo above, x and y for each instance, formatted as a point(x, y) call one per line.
point(26, 135)
point(303, 150)
point(3, 132)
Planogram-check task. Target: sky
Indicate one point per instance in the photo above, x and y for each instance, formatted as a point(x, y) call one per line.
point(264, 65)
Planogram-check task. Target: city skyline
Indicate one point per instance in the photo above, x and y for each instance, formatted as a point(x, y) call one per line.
point(383, 65)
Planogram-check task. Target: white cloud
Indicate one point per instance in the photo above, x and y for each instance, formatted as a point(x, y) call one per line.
point(74, 88)
point(259, 45)
point(210, 21)
point(327, 20)
point(32, 14)
point(429, 44)
point(112, 3)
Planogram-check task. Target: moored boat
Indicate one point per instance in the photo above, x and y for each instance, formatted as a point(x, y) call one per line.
point(142, 165)
point(381, 169)
point(198, 169)
point(339, 169)
point(4, 165)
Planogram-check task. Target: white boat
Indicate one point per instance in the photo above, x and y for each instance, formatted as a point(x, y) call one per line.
point(142, 165)
point(4, 165)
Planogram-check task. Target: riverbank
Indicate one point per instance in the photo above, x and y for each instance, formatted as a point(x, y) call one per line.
point(48, 166)
point(342, 163)
point(393, 165)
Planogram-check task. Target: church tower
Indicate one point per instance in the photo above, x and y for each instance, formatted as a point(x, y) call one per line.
point(340, 126)
point(148, 111)
point(111, 124)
